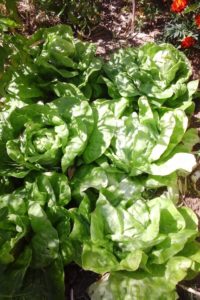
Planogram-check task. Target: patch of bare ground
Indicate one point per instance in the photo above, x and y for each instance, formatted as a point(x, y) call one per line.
point(78, 281)
point(194, 57)
point(194, 204)
point(34, 18)
point(115, 29)
point(189, 290)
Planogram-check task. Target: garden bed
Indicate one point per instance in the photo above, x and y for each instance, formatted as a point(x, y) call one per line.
point(113, 31)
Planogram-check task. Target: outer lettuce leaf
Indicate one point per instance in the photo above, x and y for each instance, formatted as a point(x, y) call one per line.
point(109, 179)
point(69, 90)
point(139, 285)
point(51, 188)
point(103, 131)
point(45, 242)
point(91, 179)
point(12, 277)
point(74, 107)
point(180, 161)
point(6, 185)
point(15, 223)
point(106, 113)
point(46, 282)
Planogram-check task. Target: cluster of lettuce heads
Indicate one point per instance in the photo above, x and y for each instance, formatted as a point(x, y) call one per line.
point(90, 156)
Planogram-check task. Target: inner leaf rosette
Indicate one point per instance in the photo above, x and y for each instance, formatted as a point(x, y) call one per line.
point(40, 136)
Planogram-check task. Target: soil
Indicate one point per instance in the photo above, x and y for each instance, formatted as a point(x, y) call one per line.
point(77, 281)
point(115, 29)
point(194, 56)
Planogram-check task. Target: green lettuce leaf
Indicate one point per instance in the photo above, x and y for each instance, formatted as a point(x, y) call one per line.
point(139, 285)
point(107, 179)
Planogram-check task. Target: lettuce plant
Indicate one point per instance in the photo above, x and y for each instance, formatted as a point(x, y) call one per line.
point(142, 241)
point(51, 56)
point(140, 235)
point(149, 142)
point(33, 237)
point(40, 137)
point(147, 246)
point(159, 72)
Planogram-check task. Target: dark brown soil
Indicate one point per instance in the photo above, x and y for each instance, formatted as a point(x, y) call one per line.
point(194, 57)
point(77, 281)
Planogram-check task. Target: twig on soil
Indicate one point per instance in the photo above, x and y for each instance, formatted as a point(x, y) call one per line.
point(189, 289)
point(133, 16)
point(130, 36)
point(71, 294)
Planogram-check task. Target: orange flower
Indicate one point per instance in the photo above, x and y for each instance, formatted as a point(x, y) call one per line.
point(188, 42)
point(179, 5)
point(197, 20)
